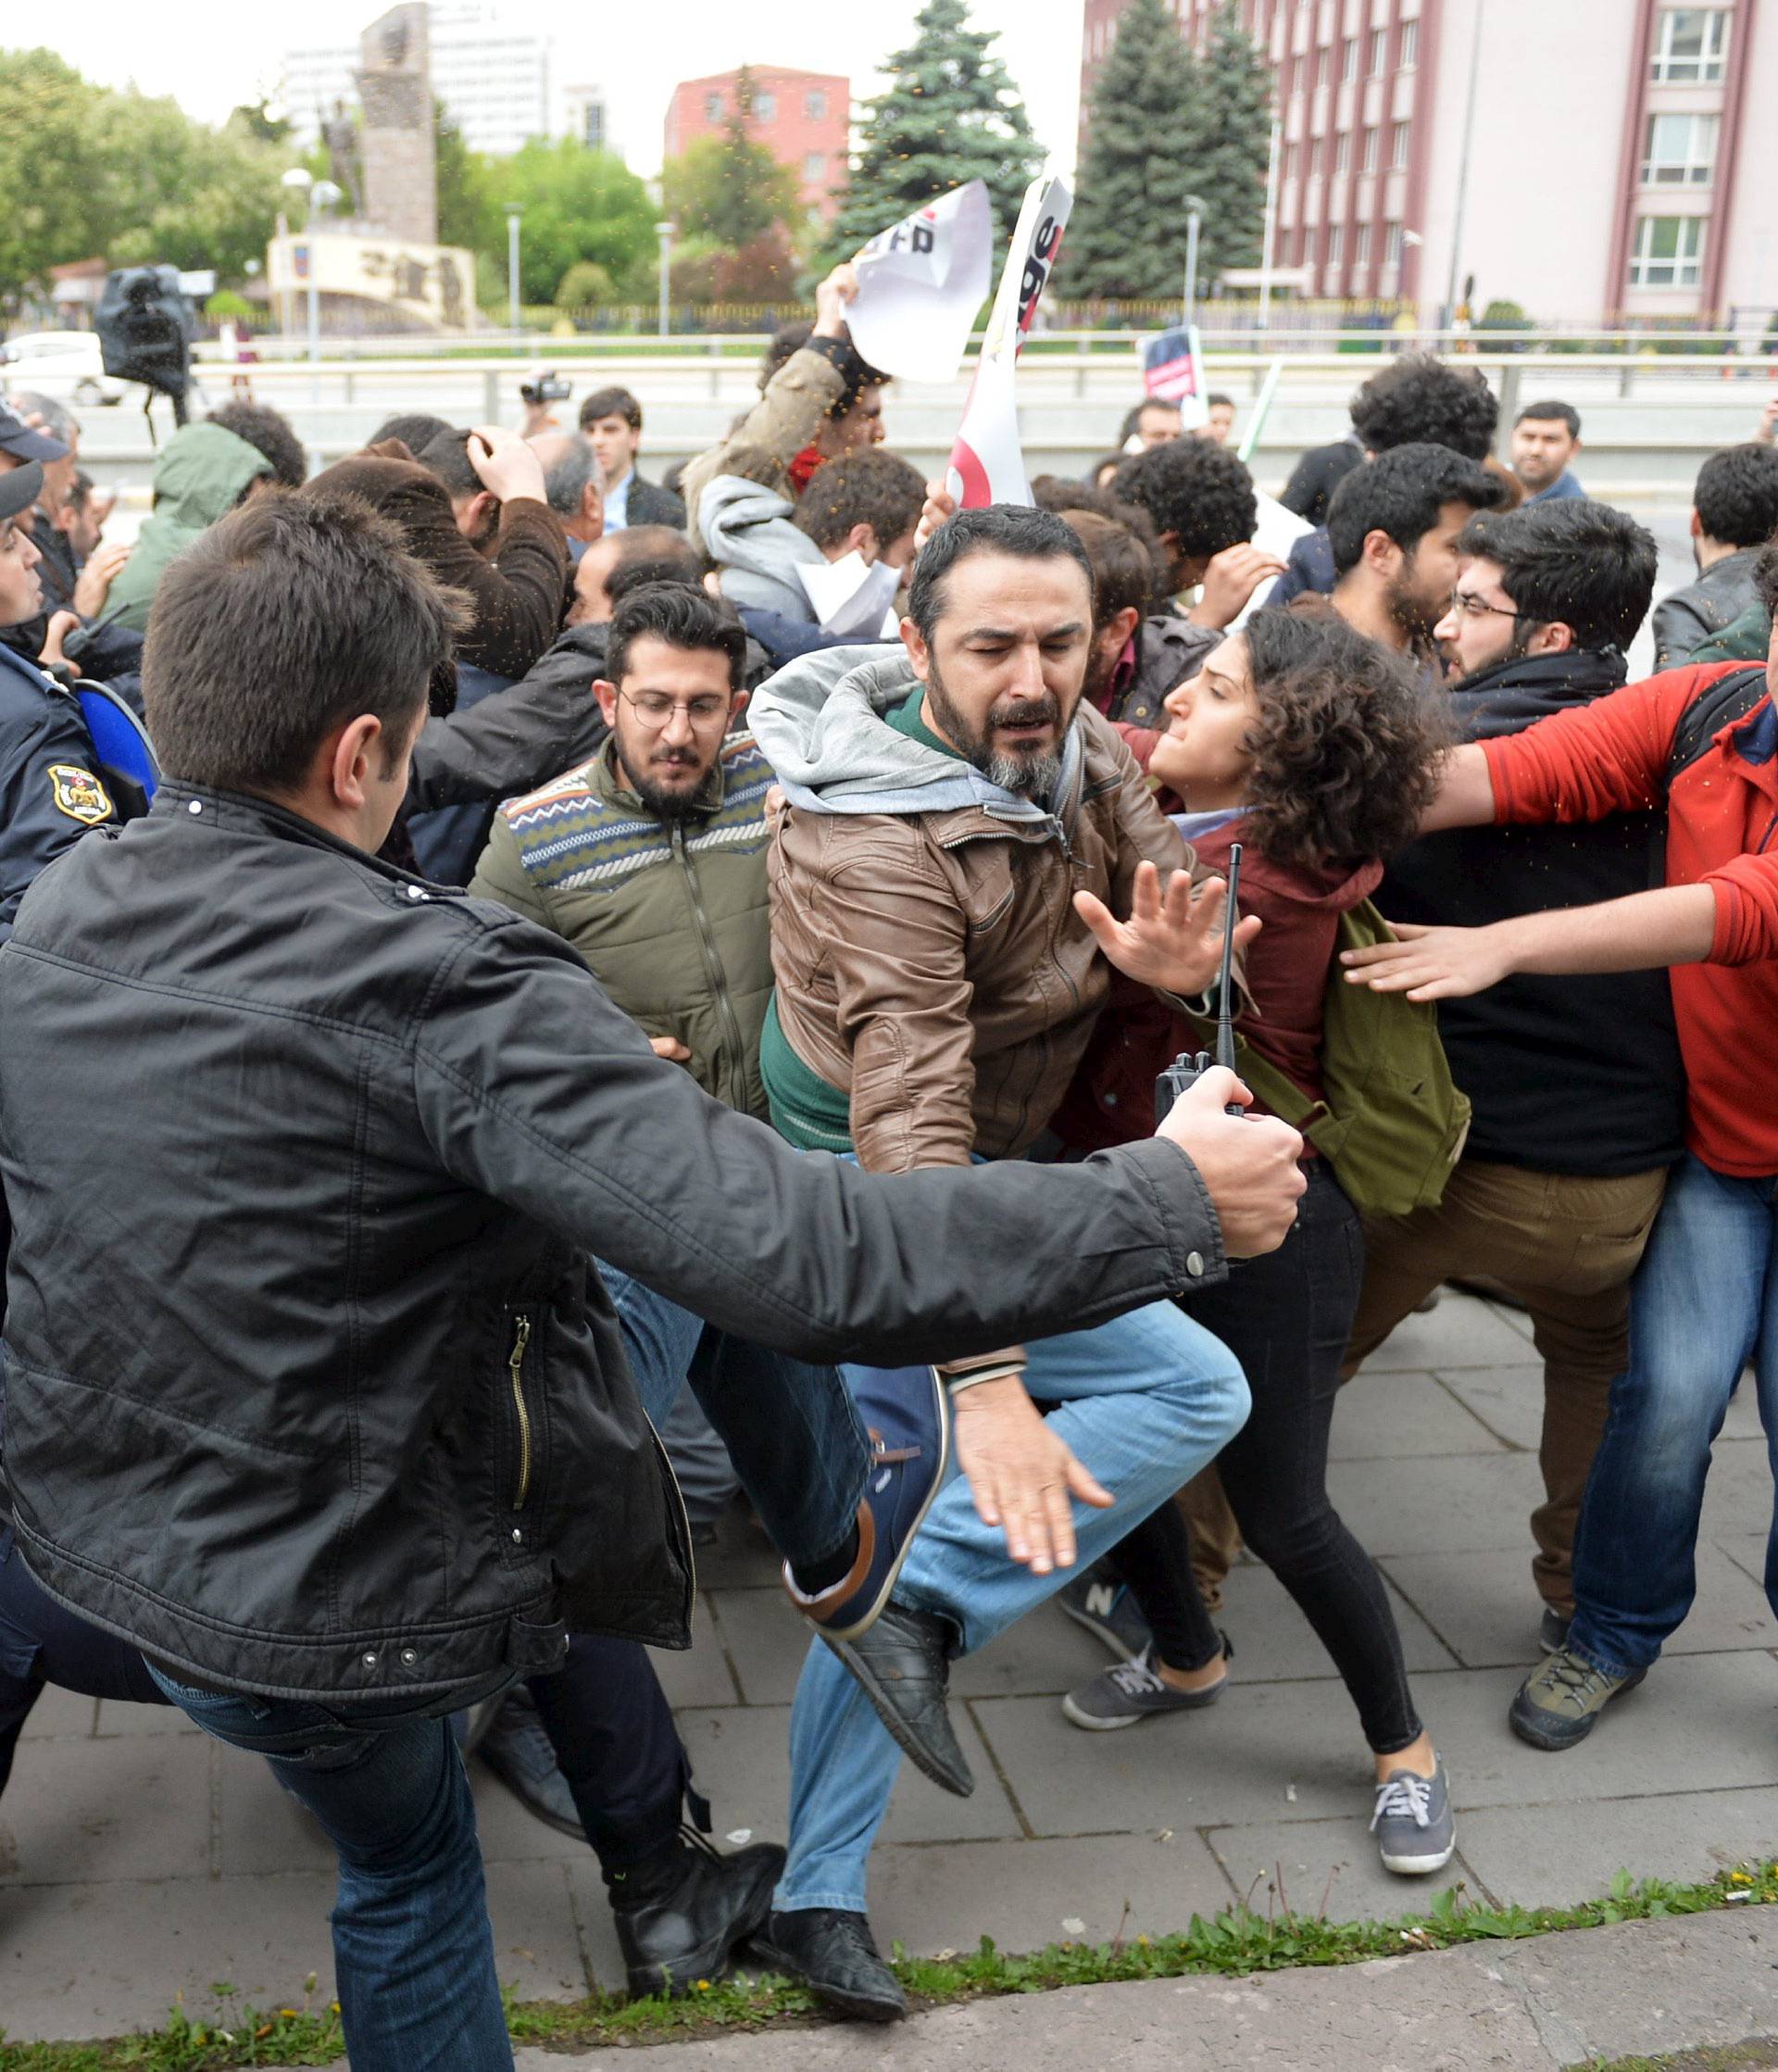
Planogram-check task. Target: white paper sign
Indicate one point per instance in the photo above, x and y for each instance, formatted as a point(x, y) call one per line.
point(851, 597)
point(921, 283)
point(987, 463)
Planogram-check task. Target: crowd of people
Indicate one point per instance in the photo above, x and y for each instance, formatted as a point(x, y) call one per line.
point(601, 958)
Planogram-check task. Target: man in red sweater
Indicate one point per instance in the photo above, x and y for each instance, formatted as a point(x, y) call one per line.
point(1703, 741)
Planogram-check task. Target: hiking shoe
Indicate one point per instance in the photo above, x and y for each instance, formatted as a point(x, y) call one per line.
point(1552, 1629)
point(1413, 1825)
point(1120, 1697)
point(906, 1413)
point(1560, 1704)
point(1098, 1602)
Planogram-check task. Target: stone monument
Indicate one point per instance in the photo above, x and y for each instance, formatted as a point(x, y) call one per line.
point(395, 94)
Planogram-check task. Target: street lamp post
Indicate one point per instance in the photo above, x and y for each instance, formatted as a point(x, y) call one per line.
point(665, 233)
point(513, 213)
point(1193, 226)
point(322, 194)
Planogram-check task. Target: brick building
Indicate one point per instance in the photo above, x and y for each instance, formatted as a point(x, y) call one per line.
point(1613, 162)
point(803, 119)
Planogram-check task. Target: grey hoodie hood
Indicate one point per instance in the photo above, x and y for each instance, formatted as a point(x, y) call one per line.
point(821, 723)
point(749, 534)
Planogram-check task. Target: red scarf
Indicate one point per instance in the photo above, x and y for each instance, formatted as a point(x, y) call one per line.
point(803, 467)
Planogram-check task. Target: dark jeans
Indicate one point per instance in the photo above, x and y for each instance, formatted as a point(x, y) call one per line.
point(1285, 1318)
point(413, 1952)
point(1704, 1303)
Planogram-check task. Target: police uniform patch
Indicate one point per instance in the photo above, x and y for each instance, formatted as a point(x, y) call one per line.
point(79, 794)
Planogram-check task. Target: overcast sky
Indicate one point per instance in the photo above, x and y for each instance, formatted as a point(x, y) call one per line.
point(210, 55)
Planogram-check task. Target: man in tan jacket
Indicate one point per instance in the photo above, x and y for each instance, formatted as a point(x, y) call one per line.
point(961, 830)
point(820, 400)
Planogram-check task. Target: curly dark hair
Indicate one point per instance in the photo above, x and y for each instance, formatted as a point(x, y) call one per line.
point(1575, 563)
point(872, 488)
point(1765, 577)
point(1419, 397)
point(856, 373)
point(267, 432)
point(1064, 496)
point(1347, 744)
point(1736, 495)
point(1194, 488)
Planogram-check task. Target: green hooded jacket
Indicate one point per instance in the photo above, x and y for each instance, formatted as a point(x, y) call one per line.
point(201, 475)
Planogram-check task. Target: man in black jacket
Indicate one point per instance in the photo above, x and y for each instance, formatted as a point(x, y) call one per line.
point(328, 1412)
point(1576, 1083)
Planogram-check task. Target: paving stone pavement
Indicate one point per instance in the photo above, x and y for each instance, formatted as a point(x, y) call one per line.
point(139, 1860)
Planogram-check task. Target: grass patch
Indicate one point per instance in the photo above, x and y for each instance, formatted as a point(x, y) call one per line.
point(1759, 2054)
point(1240, 1940)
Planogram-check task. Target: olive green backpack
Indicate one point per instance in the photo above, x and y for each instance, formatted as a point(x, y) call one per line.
point(1391, 1124)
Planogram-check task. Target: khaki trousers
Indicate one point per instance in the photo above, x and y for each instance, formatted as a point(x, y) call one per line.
point(1566, 1249)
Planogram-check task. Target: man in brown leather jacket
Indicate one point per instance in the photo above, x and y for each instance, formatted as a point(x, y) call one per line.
point(961, 830)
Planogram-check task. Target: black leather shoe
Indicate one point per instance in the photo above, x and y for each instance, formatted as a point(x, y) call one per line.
point(903, 1665)
point(515, 1747)
point(687, 1926)
point(832, 1954)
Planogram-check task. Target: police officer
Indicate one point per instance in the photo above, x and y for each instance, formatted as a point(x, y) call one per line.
point(51, 790)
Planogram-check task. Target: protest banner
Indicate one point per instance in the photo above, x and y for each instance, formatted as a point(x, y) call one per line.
point(921, 283)
point(1172, 371)
point(987, 465)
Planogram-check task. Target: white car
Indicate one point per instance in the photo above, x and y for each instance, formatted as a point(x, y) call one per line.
point(66, 365)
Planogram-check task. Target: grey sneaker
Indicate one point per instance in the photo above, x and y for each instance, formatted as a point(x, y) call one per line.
point(1100, 1603)
point(1560, 1704)
point(1120, 1697)
point(1552, 1630)
point(1413, 1826)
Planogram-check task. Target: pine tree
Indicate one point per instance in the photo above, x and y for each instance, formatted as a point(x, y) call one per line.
point(1146, 153)
point(952, 115)
point(1237, 83)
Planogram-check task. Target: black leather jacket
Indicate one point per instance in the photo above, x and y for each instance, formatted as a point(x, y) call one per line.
point(313, 1387)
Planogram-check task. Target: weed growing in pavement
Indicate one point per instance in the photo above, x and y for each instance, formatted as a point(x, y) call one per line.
point(1235, 1942)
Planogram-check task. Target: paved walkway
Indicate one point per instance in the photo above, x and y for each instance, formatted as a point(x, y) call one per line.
point(139, 1859)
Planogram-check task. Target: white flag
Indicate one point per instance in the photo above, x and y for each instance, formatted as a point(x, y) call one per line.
point(987, 462)
point(921, 283)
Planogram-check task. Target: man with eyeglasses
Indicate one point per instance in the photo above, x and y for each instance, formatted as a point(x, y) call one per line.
point(1576, 1083)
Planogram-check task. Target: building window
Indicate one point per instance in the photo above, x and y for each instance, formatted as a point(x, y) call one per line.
point(1362, 245)
point(1349, 60)
point(815, 105)
point(1335, 243)
point(1343, 151)
point(1391, 245)
point(815, 168)
point(1398, 140)
point(1368, 162)
point(1410, 46)
point(765, 107)
point(712, 108)
point(1681, 151)
point(1690, 46)
point(1323, 59)
point(1292, 153)
point(1379, 40)
point(1668, 252)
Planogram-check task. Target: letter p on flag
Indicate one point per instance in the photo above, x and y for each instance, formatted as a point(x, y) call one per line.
point(988, 464)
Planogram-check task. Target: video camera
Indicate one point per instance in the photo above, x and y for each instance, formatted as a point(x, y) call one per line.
point(546, 387)
point(1186, 1070)
point(145, 326)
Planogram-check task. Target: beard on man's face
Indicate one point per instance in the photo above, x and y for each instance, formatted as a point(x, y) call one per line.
point(668, 781)
point(1027, 769)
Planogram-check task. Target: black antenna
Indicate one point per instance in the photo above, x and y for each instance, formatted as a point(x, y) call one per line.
point(1224, 1015)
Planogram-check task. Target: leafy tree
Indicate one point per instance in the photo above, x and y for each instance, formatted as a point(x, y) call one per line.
point(1145, 154)
point(262, 119)
point(467, 216)
point(177, 192)
point(578, 205)
point(953, 114)
point(764, 269)
point(49, 166)
point(1238, 143)
point(730, 187)
point(584, 283)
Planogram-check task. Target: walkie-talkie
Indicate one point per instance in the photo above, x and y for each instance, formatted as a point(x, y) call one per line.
point(1186, 1070)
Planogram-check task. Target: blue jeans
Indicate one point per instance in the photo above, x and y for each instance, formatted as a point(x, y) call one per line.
point(1703, 1303)
point(790, 1428)
point(413, 1952)
point(1145, 1401)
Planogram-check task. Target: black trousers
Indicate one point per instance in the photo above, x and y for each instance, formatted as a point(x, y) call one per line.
point(1285, 1317)
point(603, 1711)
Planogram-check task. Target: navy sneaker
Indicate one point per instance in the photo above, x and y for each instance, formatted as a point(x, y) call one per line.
point(1098, 1602)
point(907, 1412)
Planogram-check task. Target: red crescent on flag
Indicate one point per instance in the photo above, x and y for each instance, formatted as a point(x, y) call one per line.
point(978, 493)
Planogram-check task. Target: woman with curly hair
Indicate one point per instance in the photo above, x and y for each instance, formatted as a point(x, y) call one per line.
point(1317, 750)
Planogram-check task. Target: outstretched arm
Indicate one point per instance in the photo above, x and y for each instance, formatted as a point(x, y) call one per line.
point(1465, 793)
point(1647, 931)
